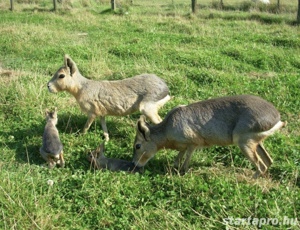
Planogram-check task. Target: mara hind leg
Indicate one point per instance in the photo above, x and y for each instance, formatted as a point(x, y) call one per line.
point(61, 160)
point(252, 147)
point(150, 109)
point(47, 157)
point(260, 149)
point(51, 162)
point(264, 155)
point(248, 148)
point(44, 154)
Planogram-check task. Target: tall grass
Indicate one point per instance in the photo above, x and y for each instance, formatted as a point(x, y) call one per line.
point(213, 53)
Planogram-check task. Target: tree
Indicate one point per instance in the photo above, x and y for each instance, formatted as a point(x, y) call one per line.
point(113, 4)
point(298, 14)
point(194, 3)
point(11, 5)
point(54, 5)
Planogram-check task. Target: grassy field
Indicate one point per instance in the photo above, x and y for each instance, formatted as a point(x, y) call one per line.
point(241, 50)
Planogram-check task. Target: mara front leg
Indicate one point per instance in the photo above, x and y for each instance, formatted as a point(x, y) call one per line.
point(87, 125)
point(188, 155)
point(178, 160)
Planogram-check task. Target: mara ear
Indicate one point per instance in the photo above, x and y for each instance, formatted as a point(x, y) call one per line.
point(142, 128)
point(54, 113)
point(95, 153)
point(100, 150)
point(46, 112)
point(69, 63)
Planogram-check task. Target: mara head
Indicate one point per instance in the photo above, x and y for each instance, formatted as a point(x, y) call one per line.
point(63, 79)
point(144, 148)
point(51, 115)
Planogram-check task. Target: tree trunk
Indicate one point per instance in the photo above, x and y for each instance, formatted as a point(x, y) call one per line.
point(113, 4)
point(54, 5)
point(298, 14)
point(278, 5)
point(11, 5)
point(194, 3)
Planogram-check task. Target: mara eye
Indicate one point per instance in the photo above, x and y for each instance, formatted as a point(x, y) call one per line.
point(138, 146)
point(61, 76)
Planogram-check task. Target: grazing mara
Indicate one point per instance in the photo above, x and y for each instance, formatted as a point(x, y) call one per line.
point(99, 161)
point(243, 120)
point(145, 93)
point(52, 149)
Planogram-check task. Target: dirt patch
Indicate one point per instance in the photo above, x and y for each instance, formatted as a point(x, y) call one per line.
point(7, 75)
point(262, 75)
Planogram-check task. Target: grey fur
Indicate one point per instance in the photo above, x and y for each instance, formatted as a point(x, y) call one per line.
point(52, 148)
point(242, 120)
point(145, 93)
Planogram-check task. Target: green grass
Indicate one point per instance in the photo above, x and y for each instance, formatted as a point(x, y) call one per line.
point(210, 54)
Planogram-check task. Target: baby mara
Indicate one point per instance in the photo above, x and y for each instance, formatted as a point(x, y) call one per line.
point(52, 148)
point(99, 161)
point(146, 93)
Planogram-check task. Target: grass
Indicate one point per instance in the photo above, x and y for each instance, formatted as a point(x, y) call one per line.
point(210, 54)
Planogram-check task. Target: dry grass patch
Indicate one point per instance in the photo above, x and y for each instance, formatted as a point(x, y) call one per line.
point(239, 175)
point(7, 75)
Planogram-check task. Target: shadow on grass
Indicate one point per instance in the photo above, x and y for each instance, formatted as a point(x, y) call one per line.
point(23, 139)
point(26, 140)
point(107, 11)
point(284, 174)
point(38, 9)
point(221, 166)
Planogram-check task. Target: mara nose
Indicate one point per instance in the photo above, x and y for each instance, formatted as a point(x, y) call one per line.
point(49, 87)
